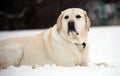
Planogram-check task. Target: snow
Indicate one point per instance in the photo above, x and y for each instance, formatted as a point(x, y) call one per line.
point(104, 47)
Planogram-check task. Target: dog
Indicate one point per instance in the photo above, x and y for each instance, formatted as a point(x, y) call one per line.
point(65, 44)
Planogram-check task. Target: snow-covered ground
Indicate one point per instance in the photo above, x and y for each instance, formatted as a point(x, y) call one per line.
point(105, 47)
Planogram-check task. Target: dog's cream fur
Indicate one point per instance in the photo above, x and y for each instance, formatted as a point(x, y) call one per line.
point(53, 46)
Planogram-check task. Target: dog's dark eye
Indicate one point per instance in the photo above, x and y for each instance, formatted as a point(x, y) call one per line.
point(78, 16)
point(66, 17)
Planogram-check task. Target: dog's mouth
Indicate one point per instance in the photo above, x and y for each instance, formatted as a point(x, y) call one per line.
point(71, 28)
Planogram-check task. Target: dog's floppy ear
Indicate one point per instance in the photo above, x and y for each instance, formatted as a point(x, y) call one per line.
point(87, 21)
point(59, 22)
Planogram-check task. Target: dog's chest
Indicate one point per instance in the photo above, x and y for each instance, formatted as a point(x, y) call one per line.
point(67, 55)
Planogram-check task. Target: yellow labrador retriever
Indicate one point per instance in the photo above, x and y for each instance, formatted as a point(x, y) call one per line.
point(65, 44)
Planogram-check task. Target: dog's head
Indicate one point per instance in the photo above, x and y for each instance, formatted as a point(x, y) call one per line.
point(73, 24)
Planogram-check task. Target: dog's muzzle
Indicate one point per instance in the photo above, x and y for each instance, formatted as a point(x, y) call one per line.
point(71, 27)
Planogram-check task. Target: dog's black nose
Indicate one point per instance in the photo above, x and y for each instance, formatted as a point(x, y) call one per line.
point(71, 26)
point(71, 23)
